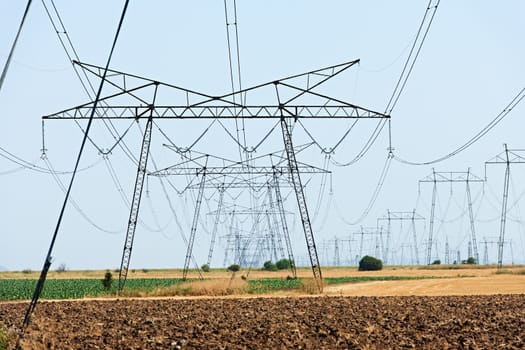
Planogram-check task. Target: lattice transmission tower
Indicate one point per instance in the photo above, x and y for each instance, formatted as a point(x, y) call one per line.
point(286, 100)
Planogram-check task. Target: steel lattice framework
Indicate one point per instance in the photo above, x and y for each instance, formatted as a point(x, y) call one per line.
point(507, 157)
point(390, 216)
point(286, 100)
point(451, 177)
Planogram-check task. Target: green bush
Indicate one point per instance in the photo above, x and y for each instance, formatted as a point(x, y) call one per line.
point(436, 262)
point(283, 264)
point(234, 268)
point(369, 263)
point(269, 266)
point(107, 281)
point(205, 268)
point(471, 261)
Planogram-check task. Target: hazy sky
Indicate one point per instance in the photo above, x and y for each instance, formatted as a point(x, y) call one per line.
point(470, 67)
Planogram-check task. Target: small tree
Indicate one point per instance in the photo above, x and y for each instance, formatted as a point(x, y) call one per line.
point(283, 264)
point(269, 266)
point(61, 268)
point(107, 281)
point(471, 261)
point(369, 263)
point(234, 268)
point(205, 268)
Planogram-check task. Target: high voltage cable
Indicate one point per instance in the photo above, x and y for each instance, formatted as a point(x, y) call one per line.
point(411, 60)
point(32, 166)
point(390, 106)
point(375, 195)
point(48, 260)
point(87, 86)
point(501, 115)
point(10, 56)
point(74, 203)
point(230, 60)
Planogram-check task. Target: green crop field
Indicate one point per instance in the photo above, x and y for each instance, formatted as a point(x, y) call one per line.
point(16, 289)
point(19, 289)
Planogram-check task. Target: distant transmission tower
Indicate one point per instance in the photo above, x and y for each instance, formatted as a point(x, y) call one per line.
point(451, 177)
point(507, 157)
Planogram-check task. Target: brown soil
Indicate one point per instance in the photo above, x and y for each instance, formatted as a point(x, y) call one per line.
point(446, 322)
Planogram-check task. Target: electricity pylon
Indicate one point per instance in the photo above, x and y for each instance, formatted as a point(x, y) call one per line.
point(401, 216)
point(451, 177)
point(507, 157)
point(292, 98)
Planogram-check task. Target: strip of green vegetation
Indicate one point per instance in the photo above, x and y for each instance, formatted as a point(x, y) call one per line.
point(267, 285)
point(357, 279)
point(16, 289)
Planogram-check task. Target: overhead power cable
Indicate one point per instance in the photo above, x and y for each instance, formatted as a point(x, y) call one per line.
point(486, 129)
point(10, 56)
point(426, 22)
point(375, 194)
point(74, 203)
point(72, 55)
point(48, 259)
point(33, 166)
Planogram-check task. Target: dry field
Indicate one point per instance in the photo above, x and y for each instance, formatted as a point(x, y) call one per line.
point(462, 309)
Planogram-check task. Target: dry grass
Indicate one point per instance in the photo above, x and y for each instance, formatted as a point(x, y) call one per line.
point(302, 272)
point(309, 286)
point(213, 287)
point(516, 271)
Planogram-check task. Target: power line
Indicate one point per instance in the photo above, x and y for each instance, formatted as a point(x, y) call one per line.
point(11, 52)
point(485, 130)
point(411, 60)
point(48, 260)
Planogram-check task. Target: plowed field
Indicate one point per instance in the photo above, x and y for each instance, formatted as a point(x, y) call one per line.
point(438, 322)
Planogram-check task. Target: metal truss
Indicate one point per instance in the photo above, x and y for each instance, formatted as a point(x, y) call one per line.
point(373, 231)
point(215, 224)
point(189, 250)
point(135, 205)
point(241, 169)
point(507, 157)
point(284, 224)
point(285, 99)
point(196, 105)
point(411, 216)
point(451, 176)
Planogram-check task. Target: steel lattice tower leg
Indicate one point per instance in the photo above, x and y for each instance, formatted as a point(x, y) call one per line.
point(431, 229)
point(135, 205)
point(275, 224)
point(414, 236)
point(447, 252)
point(189, 251)
point(503, 211)
point(215, 225)
point(271, 240)
point(286, 233)
point(337, 260)
point(388, 233)
point(472, 228)
point(301, 202)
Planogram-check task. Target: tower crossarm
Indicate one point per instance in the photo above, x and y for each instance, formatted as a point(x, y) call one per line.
point(336, 111)
point(238, 170)
point(452, 176)
point(296, 97)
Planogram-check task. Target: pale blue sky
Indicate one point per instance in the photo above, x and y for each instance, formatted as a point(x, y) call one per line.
point(469, 68)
